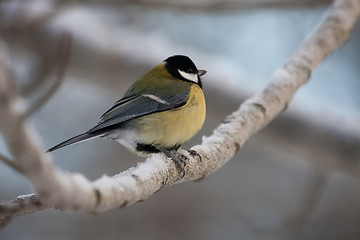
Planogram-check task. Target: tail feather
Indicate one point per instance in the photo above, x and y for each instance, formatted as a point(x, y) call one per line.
point(79, 138)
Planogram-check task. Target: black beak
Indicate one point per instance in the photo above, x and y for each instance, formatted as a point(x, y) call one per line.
point(201, 72)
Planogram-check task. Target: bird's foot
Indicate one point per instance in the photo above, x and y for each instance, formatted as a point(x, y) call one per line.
point(180, 163)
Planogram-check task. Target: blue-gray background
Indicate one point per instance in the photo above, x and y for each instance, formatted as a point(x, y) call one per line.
point(296, 179)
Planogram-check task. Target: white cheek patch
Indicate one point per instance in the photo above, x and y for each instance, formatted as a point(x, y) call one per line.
point(189, 76)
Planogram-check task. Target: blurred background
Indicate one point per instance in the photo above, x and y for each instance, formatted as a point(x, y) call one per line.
point(296, 179)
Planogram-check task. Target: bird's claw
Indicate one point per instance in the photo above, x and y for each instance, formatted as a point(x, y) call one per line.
point(180, 164)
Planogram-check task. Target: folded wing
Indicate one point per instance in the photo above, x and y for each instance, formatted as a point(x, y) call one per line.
point(126, 109)
point(137, 106)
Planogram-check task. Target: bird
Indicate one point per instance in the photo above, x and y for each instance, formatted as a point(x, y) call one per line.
point(158, 113)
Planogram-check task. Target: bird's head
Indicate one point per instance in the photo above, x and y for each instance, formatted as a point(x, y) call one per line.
point(182, 67)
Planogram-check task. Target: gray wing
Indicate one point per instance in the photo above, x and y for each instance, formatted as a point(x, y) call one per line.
point(126, 109)
point(137, 106)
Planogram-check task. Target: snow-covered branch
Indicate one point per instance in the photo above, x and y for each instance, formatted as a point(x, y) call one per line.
point(23, 204)
point(72, 191)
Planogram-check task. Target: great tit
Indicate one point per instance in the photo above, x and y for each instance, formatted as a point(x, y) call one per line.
point(158, 113)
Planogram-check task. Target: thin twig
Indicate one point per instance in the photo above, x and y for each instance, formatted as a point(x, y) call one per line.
point(20, 28)
point(63, 54)
point(5, 220)
point(37, 80)
point(10, 163)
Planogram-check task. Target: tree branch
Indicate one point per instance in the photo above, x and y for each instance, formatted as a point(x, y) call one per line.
point(67, 191)
point(23, 204)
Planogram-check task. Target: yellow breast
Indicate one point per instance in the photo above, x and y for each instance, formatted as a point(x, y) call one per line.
point(174, 127)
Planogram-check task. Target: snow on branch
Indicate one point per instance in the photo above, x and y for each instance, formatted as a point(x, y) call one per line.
point(73, 192)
